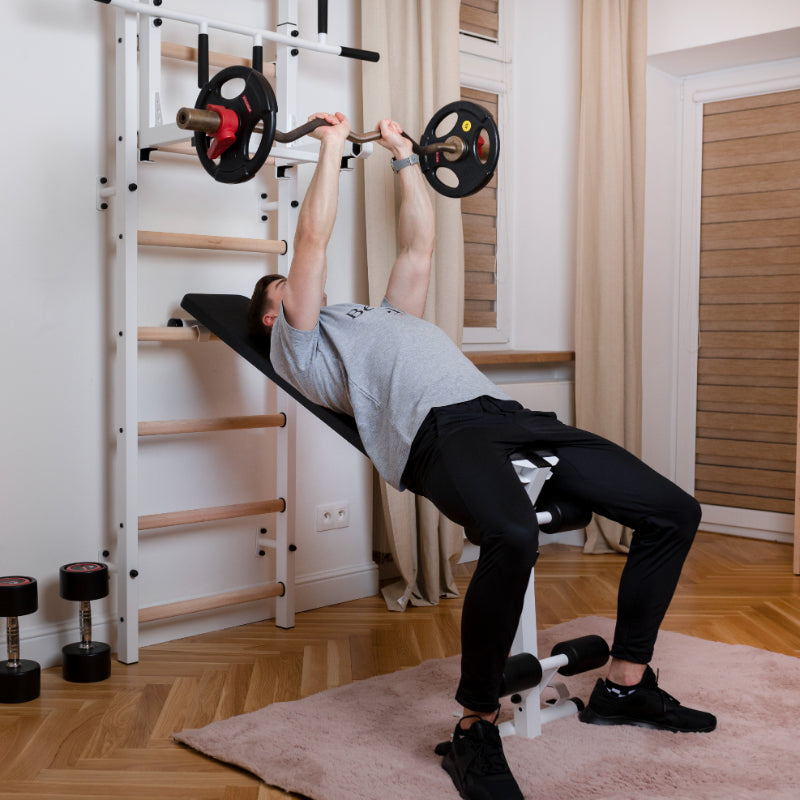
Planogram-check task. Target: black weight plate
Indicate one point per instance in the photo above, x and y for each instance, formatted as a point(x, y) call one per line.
point(470, 171)
point(83, 580)
point(18, 596)
point(253, 105)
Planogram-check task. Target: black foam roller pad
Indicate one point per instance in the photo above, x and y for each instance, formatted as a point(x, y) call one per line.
point(522, 671)
point(584, 653)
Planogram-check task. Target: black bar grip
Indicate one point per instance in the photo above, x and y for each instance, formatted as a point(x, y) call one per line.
point(258, 58)
point(202, 60)
point(362, 55)
point(322, 16)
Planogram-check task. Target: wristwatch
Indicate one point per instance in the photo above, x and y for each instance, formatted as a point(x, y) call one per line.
point(398, 164)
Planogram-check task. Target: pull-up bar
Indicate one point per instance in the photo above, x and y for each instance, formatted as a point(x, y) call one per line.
point(256, 34)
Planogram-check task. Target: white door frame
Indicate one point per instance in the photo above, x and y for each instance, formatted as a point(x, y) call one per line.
point(696, 91)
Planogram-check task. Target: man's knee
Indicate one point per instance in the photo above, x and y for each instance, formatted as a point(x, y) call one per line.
point(686, 514)
point(516, 543)
point(676, 519)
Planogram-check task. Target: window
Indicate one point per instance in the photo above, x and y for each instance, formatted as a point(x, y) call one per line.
point(479, 217)
point(480, 18)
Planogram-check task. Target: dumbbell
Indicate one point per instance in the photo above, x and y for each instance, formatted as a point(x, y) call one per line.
point(85, 661)
point(20, 679)
point(524, 671)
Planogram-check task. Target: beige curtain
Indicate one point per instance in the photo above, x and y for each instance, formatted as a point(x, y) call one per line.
point(418, 73)
point(608, 329)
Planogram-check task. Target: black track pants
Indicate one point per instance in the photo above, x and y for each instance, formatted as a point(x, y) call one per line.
point(461, 461)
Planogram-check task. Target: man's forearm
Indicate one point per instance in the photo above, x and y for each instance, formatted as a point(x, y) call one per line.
point(318, 212)
point(304, 291)
point(416, 227)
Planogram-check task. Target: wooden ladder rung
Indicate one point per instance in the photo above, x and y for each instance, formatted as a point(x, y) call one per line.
point(170, 426)
point(182, 52)
point(223, 600)
point(169, 519)
point(186, 149)
point(169, 334)
point(203, 242)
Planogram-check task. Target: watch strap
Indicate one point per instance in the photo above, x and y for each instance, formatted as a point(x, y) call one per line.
point(398, 164)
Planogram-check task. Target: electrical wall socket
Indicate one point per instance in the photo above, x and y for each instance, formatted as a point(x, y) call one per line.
point(333, 515)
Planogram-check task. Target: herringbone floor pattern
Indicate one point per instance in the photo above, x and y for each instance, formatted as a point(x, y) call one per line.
point(112, 739)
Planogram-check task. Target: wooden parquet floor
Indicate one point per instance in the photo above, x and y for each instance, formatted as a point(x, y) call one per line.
point(111, 740)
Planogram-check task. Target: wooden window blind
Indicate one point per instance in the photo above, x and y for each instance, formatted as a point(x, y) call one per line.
point(480, 18)
point(479, 218)
point(749, 303)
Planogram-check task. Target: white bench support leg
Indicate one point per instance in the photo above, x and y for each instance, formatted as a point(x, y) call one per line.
point(529, 711)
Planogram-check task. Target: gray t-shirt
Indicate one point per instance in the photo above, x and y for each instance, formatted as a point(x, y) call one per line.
point(384, 367)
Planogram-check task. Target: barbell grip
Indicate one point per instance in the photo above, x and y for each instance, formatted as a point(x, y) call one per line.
point(207, 121)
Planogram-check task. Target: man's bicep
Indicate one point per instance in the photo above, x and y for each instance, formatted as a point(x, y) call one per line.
point(408, 283)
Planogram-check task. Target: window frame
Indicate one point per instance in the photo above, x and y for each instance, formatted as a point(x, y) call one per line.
point(486, 65)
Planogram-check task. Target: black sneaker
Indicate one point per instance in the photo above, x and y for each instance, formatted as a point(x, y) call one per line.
point(646, 706)
point(475, 762)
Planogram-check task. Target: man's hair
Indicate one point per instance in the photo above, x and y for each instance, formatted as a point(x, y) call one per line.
point(258, 307)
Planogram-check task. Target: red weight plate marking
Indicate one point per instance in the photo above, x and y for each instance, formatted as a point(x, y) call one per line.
point(15, 580)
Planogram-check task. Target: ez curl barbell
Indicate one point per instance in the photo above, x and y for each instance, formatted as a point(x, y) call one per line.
point(468, 150)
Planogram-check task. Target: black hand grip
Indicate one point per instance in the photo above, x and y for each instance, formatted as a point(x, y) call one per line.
point(362, 55)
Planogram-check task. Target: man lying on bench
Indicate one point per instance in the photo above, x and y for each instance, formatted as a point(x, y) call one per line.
point(434, 424)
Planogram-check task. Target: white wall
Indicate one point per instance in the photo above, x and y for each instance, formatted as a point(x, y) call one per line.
point(56, 425)
point(53, 432)
point(686, 40)
point(675, 25)
point(545, 87)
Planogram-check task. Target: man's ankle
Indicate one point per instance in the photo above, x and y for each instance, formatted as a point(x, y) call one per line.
point(469, 718)
point(625, 673)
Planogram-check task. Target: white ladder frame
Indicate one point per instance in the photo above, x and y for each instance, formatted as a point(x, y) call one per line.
point(139, 125)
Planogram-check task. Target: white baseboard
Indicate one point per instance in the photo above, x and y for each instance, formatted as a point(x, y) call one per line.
point(748, 523)
point(315, 590)
point(748, 533)
point(328, 587)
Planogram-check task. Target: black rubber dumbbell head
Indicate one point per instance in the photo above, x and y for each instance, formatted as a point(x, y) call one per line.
point(18, 596)
point(85, 664)
point(83, 580)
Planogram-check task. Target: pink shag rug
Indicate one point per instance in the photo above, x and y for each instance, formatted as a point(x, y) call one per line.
point(374, 739)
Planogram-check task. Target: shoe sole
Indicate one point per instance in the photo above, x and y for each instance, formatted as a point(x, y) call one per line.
point(450, 768)
point(593, 718)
